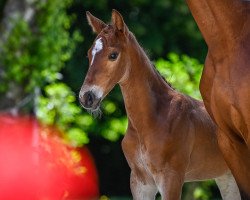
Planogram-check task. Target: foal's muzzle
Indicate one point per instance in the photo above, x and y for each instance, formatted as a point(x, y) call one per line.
point(89, 100)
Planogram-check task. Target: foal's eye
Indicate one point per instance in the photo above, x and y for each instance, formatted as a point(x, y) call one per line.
point(113, 56)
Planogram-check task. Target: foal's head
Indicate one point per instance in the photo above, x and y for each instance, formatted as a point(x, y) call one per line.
point(108, 60)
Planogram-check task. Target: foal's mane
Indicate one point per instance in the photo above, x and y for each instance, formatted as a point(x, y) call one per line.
point(163, 78)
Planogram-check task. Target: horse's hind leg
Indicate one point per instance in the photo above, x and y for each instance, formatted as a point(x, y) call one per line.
point(236, 154)
point(228, 187)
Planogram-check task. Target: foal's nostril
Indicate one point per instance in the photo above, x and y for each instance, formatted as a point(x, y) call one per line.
point(88, 99)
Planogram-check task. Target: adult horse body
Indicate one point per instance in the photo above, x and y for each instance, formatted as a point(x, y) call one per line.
point(170, 137)
point(225, 82)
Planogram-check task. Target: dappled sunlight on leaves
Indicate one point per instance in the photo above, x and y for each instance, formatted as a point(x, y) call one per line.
point(182, 72)
point(58, 107)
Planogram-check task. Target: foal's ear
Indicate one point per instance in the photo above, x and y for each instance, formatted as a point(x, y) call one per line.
point(96, 24)
point(118, 22)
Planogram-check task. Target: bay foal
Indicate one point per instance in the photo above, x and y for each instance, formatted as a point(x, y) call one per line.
point(170, 137)
point(225, 82)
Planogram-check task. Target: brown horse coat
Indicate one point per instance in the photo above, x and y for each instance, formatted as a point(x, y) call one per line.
point(225, 82)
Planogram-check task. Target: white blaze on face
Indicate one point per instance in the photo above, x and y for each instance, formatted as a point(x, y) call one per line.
point(98, 47)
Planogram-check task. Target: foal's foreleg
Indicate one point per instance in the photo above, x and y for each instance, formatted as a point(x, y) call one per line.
point(142, 190)
point(170, 185)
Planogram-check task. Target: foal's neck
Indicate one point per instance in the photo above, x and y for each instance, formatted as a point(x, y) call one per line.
point(144, 91)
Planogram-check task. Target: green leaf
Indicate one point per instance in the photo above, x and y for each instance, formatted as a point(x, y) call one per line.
point(182, 72)
point(77, 137)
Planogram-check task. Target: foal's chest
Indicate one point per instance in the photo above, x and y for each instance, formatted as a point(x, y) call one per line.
point(142, 154)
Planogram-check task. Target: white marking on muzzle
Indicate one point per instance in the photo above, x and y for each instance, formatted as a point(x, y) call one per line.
point(98, 47)
point(98, 91)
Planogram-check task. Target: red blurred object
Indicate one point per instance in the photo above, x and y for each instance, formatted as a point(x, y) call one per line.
point(36, 164)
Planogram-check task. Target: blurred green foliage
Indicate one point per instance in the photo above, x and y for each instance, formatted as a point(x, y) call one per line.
point(183, 72)
point(57, 107)
point(204, 190)
point(33, 55)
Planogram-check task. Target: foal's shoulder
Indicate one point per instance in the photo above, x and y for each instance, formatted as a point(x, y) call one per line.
point(186, 101)
point(198, 113)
